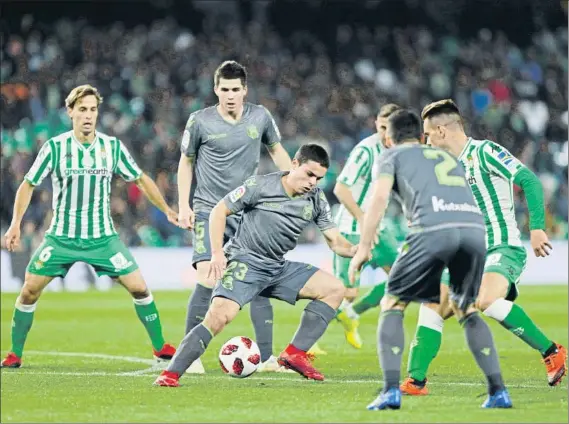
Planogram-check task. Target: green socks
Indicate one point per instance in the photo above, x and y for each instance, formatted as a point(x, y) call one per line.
point(21, 324)
point(514, 318)
point(426, 344)
point(148, 315)
point(370, 300)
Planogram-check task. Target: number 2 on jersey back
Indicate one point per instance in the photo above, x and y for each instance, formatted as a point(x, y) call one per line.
point(443, 168)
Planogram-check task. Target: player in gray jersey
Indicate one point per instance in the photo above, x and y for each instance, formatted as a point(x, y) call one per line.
point(446, 230)
point(276, 209)
point(222, 145)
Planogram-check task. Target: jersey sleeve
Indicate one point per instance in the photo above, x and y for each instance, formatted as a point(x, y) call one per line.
point(499, 161)
point(42, 166)
point(243, 196)
point(386, 165)
point(323, 216)
point(191, 138)
point(126, 166)
point(271, 134)
point(358, 163)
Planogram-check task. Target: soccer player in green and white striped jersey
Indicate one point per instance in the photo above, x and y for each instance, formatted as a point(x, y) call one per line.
point(491, 172)
point(81, 163)
point(352, 190)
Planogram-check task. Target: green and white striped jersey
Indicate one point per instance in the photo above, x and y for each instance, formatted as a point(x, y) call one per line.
point(81, 179)
point(357, 175)
point(490, 171)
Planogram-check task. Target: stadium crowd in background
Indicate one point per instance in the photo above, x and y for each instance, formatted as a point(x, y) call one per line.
point(152, 77)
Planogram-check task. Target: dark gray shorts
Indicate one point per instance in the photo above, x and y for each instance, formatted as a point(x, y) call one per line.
point(416, 274)
point(202, 244)
point(245, 278)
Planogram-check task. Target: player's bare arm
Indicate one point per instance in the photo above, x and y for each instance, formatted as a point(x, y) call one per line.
point(372, 218)
point(338, 243)
point(344, 195)
point(217, 222)
point(280, 156)
point(152, 193)
point(533, 191)
point(21, 203)
point(186, 216)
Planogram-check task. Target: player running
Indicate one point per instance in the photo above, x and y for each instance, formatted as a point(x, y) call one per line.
point(446, 230)
point(285, 202)
point(491, 172)
point(82, 163)
point(352, 190)
point(222, 145)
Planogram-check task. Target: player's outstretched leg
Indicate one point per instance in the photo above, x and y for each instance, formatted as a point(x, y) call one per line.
point(492, 302)
point(391, 342)
point(23, 317)
point(481, 344)
point(427, 342)
point(147, 313)
point(221, 312)
point(326, 293)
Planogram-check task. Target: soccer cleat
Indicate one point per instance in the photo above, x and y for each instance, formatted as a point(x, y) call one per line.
point(350, 329)
point(272, 365)
point(315, 350)
point(11, 361)
point(556, 365)
point(196, 367)
point(386, 400)
point(168, 379)
point(297, 360)
point(411, 388)
point(166, 353)
point(500, 399)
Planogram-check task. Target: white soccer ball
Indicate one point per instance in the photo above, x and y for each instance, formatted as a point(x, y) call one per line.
point(239, 357)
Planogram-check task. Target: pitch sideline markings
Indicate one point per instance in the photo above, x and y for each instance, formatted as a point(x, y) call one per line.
point(155, 367)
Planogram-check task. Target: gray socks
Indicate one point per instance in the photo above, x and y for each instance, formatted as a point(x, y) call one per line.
point(391, 340)
point(191, 348)
point(481, 344)
point(197, 306)
point(261, 312)
point(313, 324)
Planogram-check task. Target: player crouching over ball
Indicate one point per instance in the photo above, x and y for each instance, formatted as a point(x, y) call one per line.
point(286, 203)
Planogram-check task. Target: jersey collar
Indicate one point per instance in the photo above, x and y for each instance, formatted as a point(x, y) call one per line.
point(81, 145)
point(465, 148)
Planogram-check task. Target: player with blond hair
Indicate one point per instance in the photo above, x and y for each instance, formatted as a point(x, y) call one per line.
point(81, 163)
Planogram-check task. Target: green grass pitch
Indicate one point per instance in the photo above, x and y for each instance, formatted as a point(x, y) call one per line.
point(87, 360)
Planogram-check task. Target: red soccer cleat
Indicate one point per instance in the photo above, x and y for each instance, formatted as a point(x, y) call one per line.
point(166, 353)
point(11, 361)
point(168, 379)
point(297, 360)
point(556, 365)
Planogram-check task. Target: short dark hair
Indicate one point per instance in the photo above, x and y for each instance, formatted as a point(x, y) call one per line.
point(441, 107)
point(312, 152)
point(230, 69)
point(386, 110)
point(403, 125)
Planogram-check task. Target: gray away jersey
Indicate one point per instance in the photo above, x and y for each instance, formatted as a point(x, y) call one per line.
point(272, 221)
point(225, 154)
point(430, 183)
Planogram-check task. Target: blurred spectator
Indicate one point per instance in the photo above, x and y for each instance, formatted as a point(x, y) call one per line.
point(319, 90)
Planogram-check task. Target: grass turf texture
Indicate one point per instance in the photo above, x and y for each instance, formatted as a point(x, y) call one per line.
point(87, 386)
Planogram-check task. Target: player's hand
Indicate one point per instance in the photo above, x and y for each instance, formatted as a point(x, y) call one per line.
point(360, 258)
point(540, 243)
point(12, 237)
point(217, 265)
point(172, 217)
point(186, 218)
